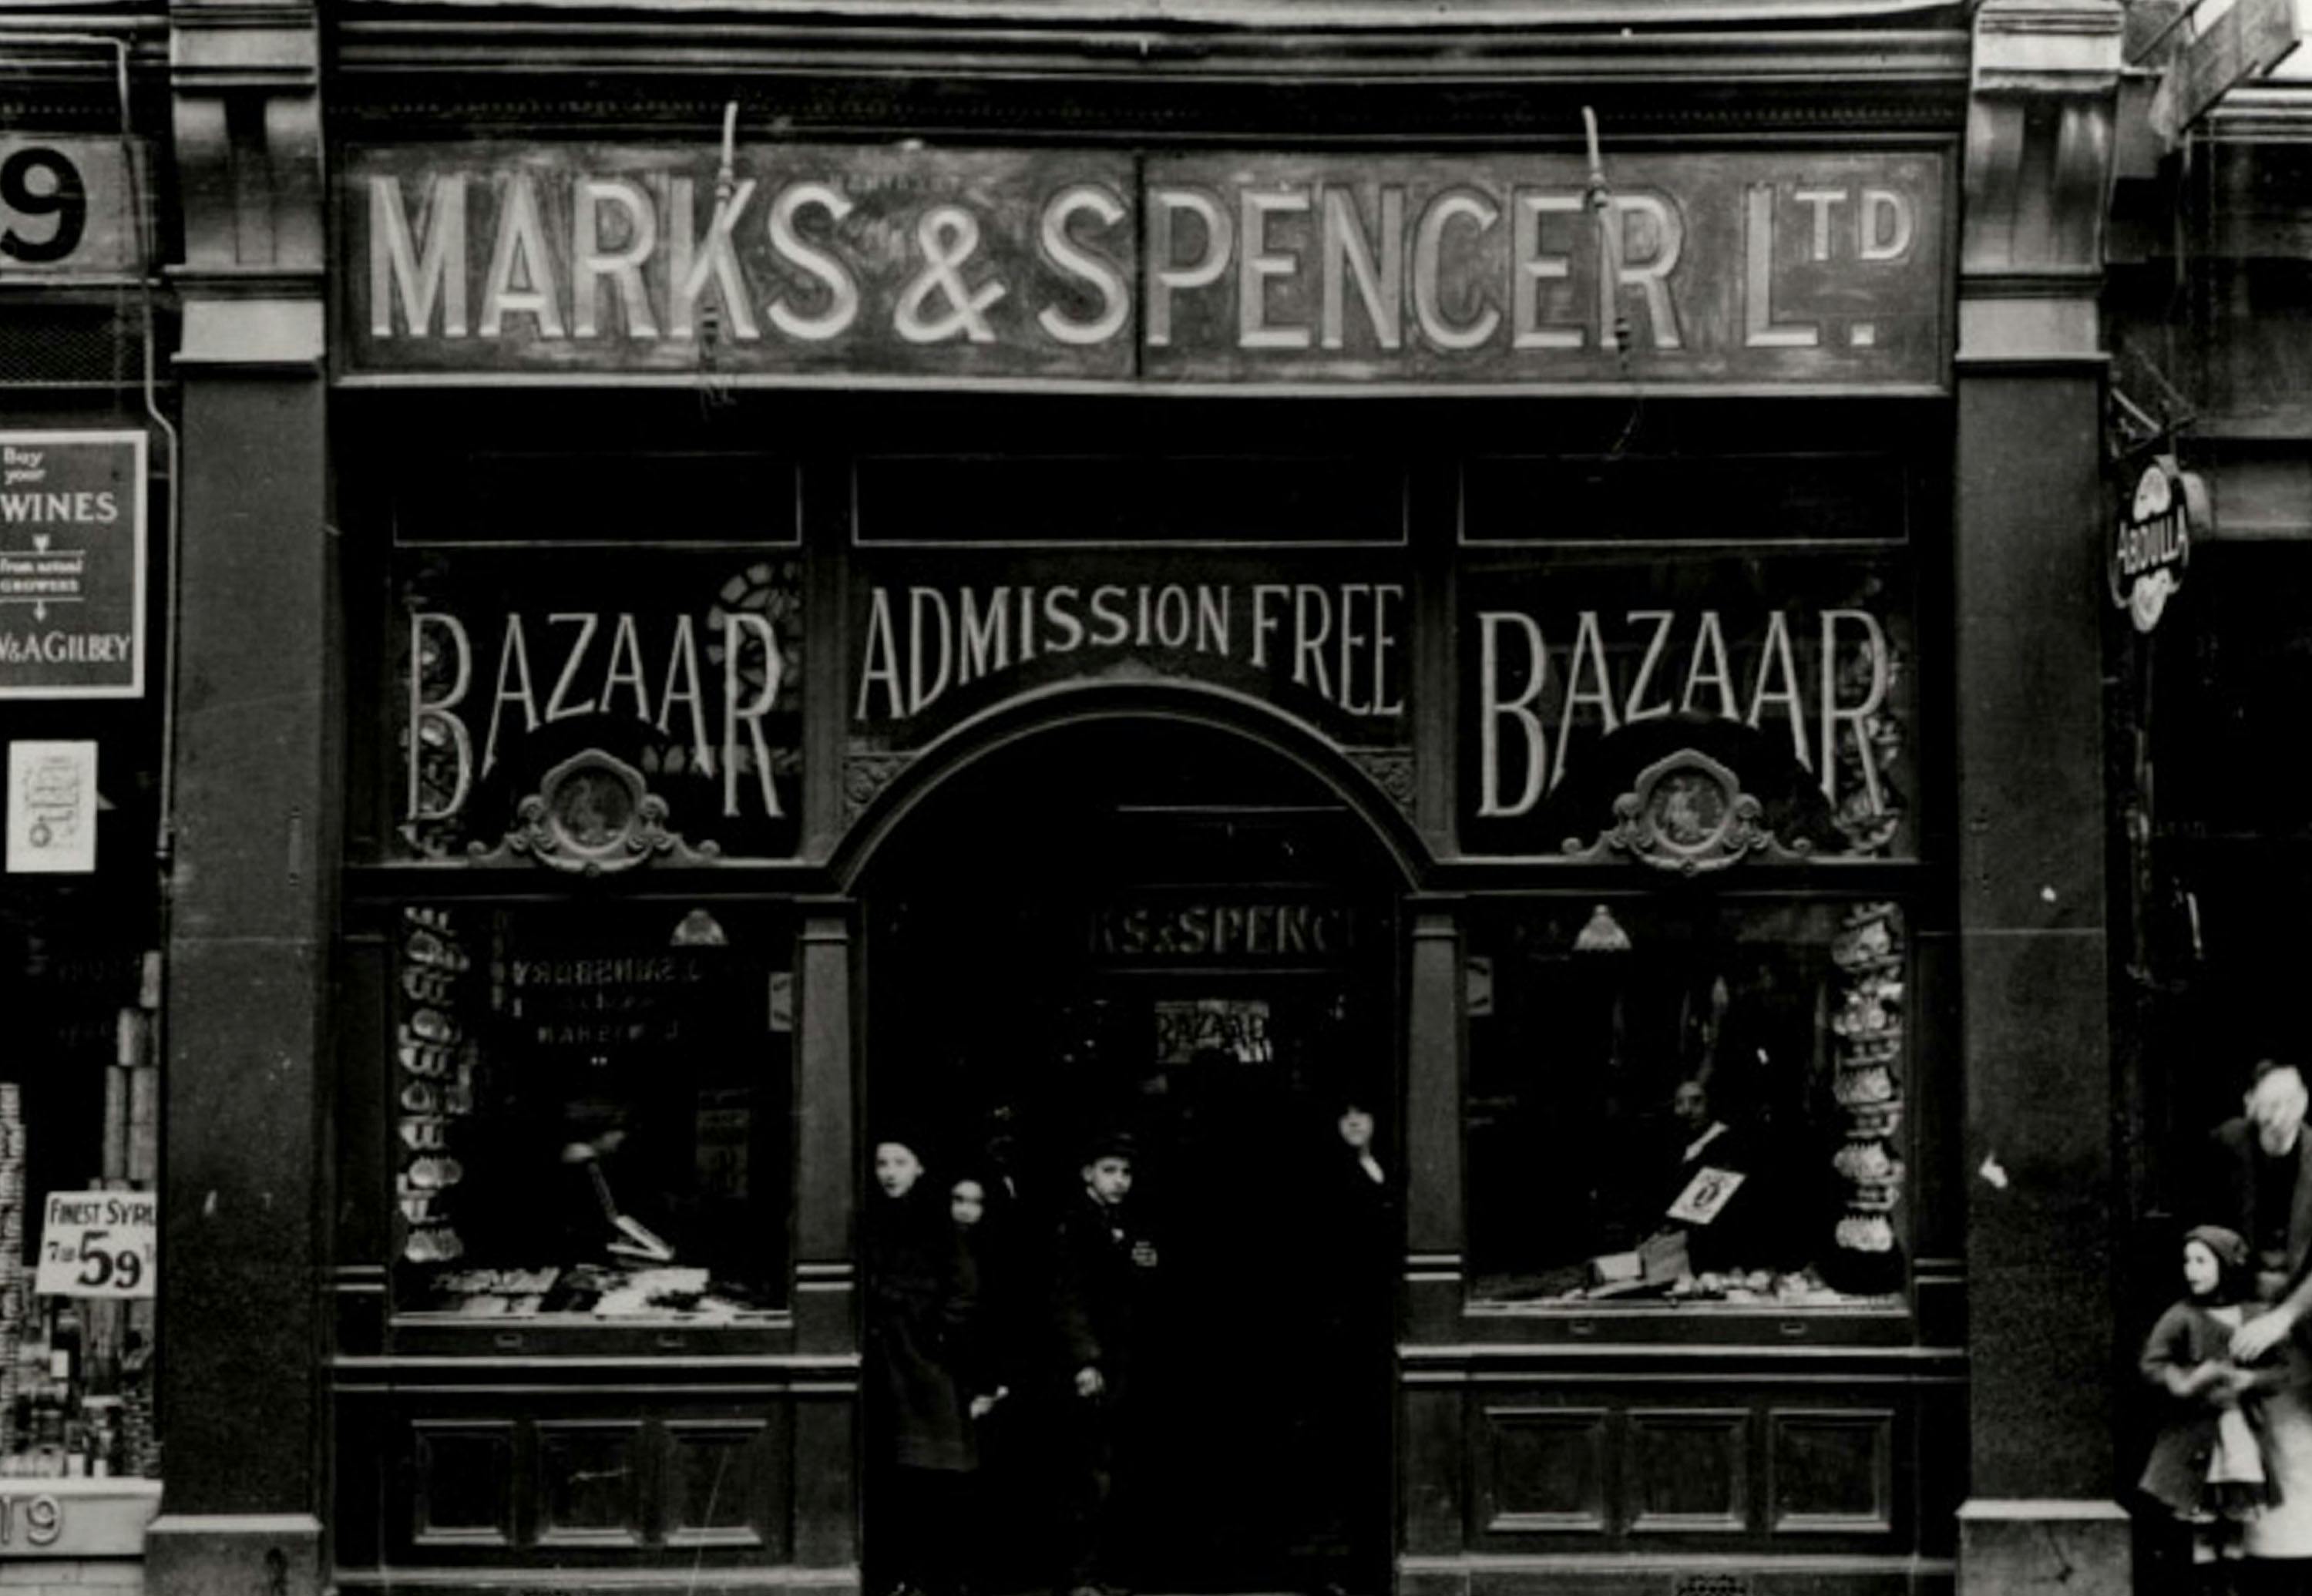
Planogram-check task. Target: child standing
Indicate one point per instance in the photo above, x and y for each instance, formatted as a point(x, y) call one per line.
point(920, 1304)
point(1104, 1273)
point(2207, 1465)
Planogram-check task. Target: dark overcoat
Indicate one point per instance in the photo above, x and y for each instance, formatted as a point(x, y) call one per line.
point(920, 1304)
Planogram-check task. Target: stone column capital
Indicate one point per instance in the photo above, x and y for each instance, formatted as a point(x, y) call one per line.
point(2047, 47)
point(2039, 146)
point(245, 80)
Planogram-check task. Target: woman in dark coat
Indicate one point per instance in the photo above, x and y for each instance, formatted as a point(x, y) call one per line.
point(920, 1304)
point(1354, 1256)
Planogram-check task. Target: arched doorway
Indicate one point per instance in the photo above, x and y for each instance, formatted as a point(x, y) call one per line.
point(1154, 927)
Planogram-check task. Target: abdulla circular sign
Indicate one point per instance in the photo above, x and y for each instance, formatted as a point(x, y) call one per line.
point(2152, 543)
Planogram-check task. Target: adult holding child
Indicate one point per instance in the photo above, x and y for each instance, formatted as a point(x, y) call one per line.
point(2258, 1183)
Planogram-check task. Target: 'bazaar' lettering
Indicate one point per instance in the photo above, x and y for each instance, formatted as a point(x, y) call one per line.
point(1596, 685)
point(559, 649)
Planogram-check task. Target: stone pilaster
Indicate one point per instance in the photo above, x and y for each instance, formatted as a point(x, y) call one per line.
point(2042, 1508)
point(258, 715)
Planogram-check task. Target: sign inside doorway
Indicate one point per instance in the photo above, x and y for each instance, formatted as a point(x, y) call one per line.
point(1232, 1027)
point(1174, 929)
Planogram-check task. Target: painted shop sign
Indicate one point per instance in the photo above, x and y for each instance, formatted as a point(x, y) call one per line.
point(932, 645)
point(68, 207)
point(673, 676)
point(1737, 270)
point(72, 565)
point(75, 1518)
point(1792, 676)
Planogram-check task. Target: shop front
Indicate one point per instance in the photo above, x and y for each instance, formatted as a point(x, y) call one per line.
point(1003, 646)
point(85, 500)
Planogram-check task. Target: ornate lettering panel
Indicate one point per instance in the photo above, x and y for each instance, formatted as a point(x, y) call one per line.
point(1687, 713)
point(1743, 270)
point(594, 709)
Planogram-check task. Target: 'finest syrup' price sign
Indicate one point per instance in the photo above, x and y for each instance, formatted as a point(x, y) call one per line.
point(98, 1244)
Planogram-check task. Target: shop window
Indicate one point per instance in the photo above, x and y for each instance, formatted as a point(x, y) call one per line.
point(1691, 1101)
point(79, 1160)
point(590, 1110)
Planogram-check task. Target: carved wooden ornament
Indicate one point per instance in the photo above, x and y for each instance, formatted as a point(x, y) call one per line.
point(1688, 813)
point(592, 813)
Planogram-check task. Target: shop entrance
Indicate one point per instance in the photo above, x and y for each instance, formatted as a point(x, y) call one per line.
point(1166, 932)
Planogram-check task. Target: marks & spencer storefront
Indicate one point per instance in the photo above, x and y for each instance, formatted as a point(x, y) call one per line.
point(1010, 634)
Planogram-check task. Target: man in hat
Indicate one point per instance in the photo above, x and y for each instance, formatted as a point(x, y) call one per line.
point(1104, 1272)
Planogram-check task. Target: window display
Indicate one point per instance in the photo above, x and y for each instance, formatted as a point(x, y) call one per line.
point(590, 1110)
point(79, 1150)
point(1691, 1101)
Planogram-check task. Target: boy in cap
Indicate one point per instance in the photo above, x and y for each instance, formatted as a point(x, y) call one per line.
point(1104, 1272)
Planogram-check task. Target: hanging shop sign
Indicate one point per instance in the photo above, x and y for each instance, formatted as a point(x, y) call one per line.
point(1686, 714)
point(2151, 544)
point(98, 1244)
point(72, 565)
point(68, 207)
point(1752, 270)
point(936, 641)
point(2248, 40)
point(607, 710)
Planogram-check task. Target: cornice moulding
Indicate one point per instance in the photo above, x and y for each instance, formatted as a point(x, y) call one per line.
point(510, 49)
point(1276, 16)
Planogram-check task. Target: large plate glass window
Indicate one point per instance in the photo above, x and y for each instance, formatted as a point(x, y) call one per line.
point(1688, 1100)
point(590, 1109)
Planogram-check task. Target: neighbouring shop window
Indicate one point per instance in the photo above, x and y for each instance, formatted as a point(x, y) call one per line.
point(79, 1164)
point(590, 1109)
point(1691, 1100)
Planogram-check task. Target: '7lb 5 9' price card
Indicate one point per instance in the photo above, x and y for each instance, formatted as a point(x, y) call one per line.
point(98, 1244)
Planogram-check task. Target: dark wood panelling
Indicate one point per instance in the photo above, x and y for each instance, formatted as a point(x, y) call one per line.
point(1831, 1472)
point(1544, 1469)
point(464, 1484)
point(590, 1478)
point(1611, 1453)
point(707, 1467)
point(1689, 1469)
point(444, 1471)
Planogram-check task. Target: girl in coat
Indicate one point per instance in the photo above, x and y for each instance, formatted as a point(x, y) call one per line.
point(2207, 1465)
point(920, 1305)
